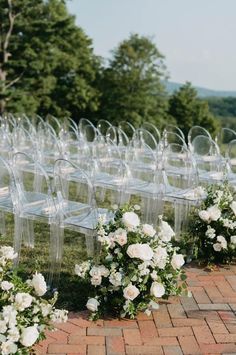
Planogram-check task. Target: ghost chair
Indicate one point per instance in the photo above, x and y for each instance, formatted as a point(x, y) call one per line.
point(212, 167)
point(231, 162)
point(224, 137)
point(181, 183)
point(127, 127)
point(76, 210)
point(103, 126)
point(194, 132)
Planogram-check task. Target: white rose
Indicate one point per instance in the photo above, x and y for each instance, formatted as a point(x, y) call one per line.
point(3, 326)
point(214, 213)
point(8, 347)
point(103, 270)
point(130, 292)
point(6, 286)
point(130, 220)
point(148, 230)
point(217, 246)
point(140, 251)
point(160, 257)
point(115, 279)
point(177, 261)
point(8, 252)
point(165, 232)
point(120, 236)
point(9, 315)
point(23, 300)
point(13, 334)
point(233, 239)
point(204, 215)
point(29, 336)
point(92, 304)
point(222, 241)
point(46, 309)
point(233, 207)
point(157, 289)
point(39, 284)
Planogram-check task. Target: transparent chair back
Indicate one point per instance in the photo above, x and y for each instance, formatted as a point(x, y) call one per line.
point(196, 131)
point(142, 137)
point(174, 129)
point(6, 148)
point(23, 142)
point(231, 157)
point(153, 130)
point(173, 138)
point(103, 126)
point(224, 137)
point(54, 123)
point(127, 128)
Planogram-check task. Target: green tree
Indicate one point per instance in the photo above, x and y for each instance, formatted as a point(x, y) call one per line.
point(189, 110)
point(131, 84)
point(48, 65)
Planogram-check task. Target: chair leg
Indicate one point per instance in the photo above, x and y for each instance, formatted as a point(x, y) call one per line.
point(18, 232)
point(28, 233)
point(55, 254)
point(181, 218)
point(2, 223)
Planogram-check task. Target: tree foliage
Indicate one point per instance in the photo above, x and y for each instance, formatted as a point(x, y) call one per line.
point(189, 110)
point(131, 84)
point(51, 66)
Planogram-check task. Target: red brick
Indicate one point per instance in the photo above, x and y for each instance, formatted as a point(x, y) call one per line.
point(189, 345)
point(96, 350)
point(144, 316)
point(60, 335)
point(212, 315)
point(188, 322)
point(225, 338)
point(66, 348)
point(227, 317)
point(120, 323)
point(162, 318)
point(132, 336)
point(173, 332)
point(225, 289)
point(216, 277)
point(115, 345)
point(144, 350)
point(104, 331)
point(68, 327)
point(203, 335)
point(217, 327)
point(214, 306)
point(176, 311)
point(172, 350)
point(78, 339)
point(200, 295)
point(231, 328)
point(218, 348)
point(189, 304)
point(148, 329)
point(213, 292)
point(161, 341)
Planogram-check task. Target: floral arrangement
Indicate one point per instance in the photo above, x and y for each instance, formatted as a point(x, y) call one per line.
point(138, 266)
point(214, 229)
point(24, 314)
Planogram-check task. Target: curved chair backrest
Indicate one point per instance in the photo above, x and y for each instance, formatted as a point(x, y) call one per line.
point(224, 137)
point(103, 126)
point(127, 128)
point(7, 186)
point(174, 129)
point(143, 137)
point(197, 131)
point(231, 155)
point(203, 145)
point(172, 137)
point(150, 127)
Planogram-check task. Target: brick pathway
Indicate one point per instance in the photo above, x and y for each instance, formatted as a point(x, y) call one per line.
point(203, 324)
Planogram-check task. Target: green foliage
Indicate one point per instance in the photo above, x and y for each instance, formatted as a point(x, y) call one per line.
point(131, 84)
point(225, 109)
point(189, 111)
point(53, 59)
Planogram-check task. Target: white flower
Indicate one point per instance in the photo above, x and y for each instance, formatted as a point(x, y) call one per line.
point(157, 289)
point(165, 231)
point(205, 216)
point(46, 309)
point(137, 207)
point(7, 252)
point(96, 280)
point(214, 212)
point(233, 239)
point(23, 300)
point(13, 334)
point(81, 269)
point(140, 251)
point(154, 275)
point(130, 220)
point(210, 233)
point(59, 316)
point(9, 314)
point(217, 246)
point(148, 230)
point(29, 336)
point(160, 257)
point(115, 279)
point(92, 304)
point(131, 292)
point(143, 268)
point(222, 241)
point(103, 270)
point(39, 284)
point(3, 326)
point(177, 261)
point(233, 207)
point(120, 236)
point(8, 347)
point(6, 286)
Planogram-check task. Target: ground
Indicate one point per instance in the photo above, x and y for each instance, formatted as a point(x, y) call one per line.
point(203, 324)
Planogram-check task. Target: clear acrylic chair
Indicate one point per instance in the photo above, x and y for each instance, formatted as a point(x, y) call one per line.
point(194, 132)
point(127, 127)
point(224, 137)
point(150, 127)
point(181, 183)
point(174, 129)
point(231, 162)
point(30, 204)
point(103, 126)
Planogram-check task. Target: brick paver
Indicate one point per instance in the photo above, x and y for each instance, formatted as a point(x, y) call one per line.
point(204, 324)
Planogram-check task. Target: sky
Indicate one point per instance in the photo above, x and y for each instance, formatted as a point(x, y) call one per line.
point(197, 37)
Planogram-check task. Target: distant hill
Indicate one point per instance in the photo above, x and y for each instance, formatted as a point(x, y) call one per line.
point(202, 92)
